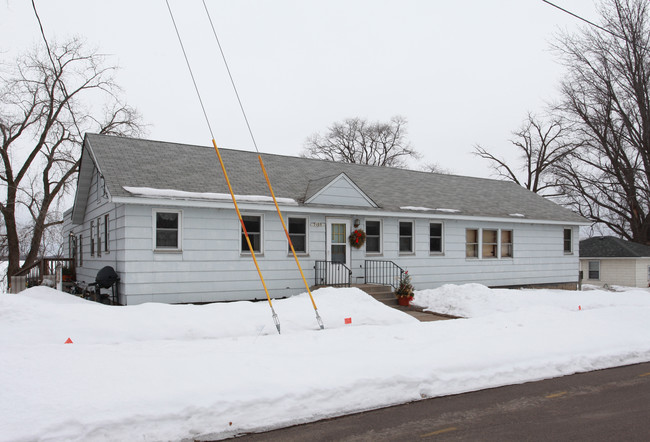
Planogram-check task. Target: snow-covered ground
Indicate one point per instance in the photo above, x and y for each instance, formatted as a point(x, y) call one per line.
point(162, 372)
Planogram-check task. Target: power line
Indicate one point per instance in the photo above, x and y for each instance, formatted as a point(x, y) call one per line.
point(232, 81)
point(189, 67)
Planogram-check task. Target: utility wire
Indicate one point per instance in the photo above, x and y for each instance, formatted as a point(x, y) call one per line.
point(596, 26)
point(189, 67)
point(232, 81)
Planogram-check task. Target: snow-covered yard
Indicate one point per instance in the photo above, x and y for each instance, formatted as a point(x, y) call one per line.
point(162, 372)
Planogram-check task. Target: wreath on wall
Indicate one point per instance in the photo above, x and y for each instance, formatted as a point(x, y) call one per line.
point(357, 238)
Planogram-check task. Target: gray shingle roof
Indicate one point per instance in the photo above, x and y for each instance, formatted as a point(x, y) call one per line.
point(612, 247)
point(162, 165)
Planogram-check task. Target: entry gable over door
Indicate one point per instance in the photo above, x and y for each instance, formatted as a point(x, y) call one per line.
point(341, 191)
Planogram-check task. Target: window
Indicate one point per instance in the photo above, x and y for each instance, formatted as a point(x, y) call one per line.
point(92, 238)
point(594, 269)
point(81, 251)
point(568, 241)
point(489, 249)
point(373, 236)
point(406, 236)
point(435, 237)
point(471, 243)
point(167, 230)
point(506, 244)
point(106, 237)
point(72, 246)
point(298, 234)
point(99, 237)
point(254, 228)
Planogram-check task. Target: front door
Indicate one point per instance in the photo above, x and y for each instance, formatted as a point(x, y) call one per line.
point(338, 250)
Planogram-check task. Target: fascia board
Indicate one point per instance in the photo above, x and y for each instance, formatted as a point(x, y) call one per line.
point(344, 211)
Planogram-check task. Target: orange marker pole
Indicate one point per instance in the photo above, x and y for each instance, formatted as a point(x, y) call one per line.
point(286, 232)
point(248, 241)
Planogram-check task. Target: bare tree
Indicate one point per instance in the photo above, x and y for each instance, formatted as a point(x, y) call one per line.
point(355, 140)
point(44, 113)
point(540, 146)
point(607, 97)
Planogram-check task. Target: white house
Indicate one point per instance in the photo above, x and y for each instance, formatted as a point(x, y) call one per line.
point(614, 261)
point(161, 215)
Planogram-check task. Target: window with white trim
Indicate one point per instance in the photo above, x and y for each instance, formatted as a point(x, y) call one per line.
point(506, 244)
point(298, 234)
point(92, 238)
point(167, 229)
point(99, 238)
point(80, 263)
point(373, 236)
point(490, 244)
point(435, 237)
point(253, 225)
point(106, 234)
point(471, 243)
point(406, 236)
point(568, 241)
point(594, 269)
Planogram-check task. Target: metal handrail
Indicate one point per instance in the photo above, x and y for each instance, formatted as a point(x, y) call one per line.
point(331, 273)
point(382, 272)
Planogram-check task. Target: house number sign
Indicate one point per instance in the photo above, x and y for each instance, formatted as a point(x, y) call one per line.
point(317, 224)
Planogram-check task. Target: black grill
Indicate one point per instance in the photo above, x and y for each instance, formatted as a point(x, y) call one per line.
point(107, 278)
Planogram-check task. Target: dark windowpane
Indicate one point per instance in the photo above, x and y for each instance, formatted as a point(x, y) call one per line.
point(372, 228)
point(167, 238)
point(435, 230)
point(372, 244)
point(338, 253)
point(166, 220)
point(405, 244)
point(405, 229)
point(299, 243)
point(435, 244)
point(297, 225)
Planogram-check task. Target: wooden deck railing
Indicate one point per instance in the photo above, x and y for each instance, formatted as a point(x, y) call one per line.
point(34, 274)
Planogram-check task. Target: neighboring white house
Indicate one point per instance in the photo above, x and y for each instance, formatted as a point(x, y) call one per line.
point(614, 261)
point(161, 215)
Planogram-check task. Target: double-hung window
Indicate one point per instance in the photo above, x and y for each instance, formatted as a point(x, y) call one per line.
point(594, 269)
point(92, 238)
point(406, 236)
point(106, 234)
point(298, 234)
point(99, 237)
point(435, 237)
point(167, 230)
point(373, 236)
point(568, 241)
point(471, 243)
point(253, 224)
point(506, 244)
point(490, 244)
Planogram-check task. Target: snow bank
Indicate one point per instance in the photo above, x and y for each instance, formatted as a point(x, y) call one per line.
point(161, 372)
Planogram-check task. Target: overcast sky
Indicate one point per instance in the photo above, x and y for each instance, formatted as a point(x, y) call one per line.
point(461, 72)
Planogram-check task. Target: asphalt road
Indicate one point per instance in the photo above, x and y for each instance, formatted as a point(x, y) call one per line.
point(604, 405)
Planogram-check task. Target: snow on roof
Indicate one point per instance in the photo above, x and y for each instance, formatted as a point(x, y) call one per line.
point(181, 194)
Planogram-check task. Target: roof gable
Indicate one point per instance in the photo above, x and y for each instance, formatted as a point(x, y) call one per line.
point(341, 191)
